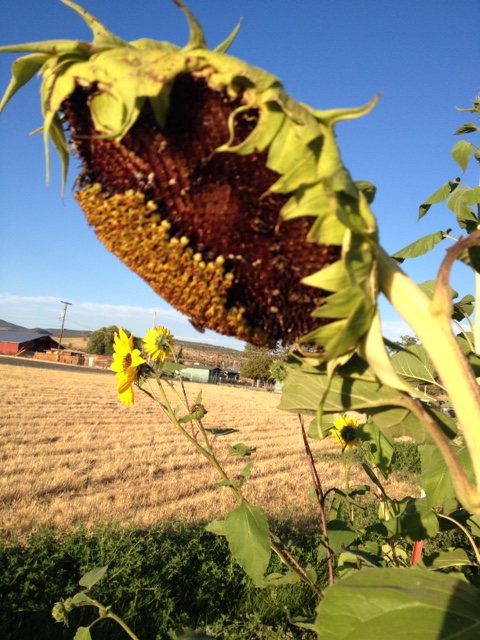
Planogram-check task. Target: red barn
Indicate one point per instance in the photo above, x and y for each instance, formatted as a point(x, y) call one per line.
point(14, 343)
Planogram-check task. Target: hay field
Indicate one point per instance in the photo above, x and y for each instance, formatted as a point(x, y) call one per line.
point(71, 453)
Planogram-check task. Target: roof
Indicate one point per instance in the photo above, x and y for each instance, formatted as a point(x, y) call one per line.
point(204, 367)
point(18, 337)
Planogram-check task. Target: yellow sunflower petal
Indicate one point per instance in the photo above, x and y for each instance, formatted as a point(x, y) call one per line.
point(126, 397)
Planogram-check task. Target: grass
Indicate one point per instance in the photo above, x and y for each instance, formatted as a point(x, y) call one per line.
point(72, 453)
point(157, 579)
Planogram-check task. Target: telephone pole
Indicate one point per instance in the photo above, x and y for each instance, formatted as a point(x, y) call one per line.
point(62, 315)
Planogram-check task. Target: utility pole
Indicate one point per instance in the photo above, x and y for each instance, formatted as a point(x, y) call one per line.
point(62, 315)
point(154, 319)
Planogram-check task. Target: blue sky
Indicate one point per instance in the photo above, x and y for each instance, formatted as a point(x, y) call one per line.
point(421, 55)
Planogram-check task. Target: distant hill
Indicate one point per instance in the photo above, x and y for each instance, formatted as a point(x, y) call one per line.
point(191, 351)
point(9, 326)
point(68, 333)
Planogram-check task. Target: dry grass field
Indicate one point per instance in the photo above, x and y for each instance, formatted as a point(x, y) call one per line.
point(71, 453)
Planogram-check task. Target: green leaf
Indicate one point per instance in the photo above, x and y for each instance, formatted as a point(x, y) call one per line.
point(274, 579)
point(341, 496)
point(331, 278)
point(472, 196)
point(474, 524)
point(370, 473)
point(81, 599)
point(249, 540)
point(101, 36)
point(414, 365)
point(217, 527)
point(463, 308)
point(438, 196)
point(196, 39)
point(421, 246)
point(247, 469)
point(457, 204)
point(397, 604)
point(379, 451)
point(473, 359)
point(435, 479)
point(57, 137)
point(354, 388)
point(340, 535)
point(367, 188)
point(461, 153)
point(23, 70)
point(171, 367)
point(413, 519)
point(428, 289)
point(83, 633)
point(466, 128)
point(445, 559)
point(303, 622)
point(240, 450)
point(221, 432)
point(474, 258)
point(225, 45)
point(367, 558)
point(92, 577)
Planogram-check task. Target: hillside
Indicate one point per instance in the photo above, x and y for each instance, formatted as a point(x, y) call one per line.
point(192, 352)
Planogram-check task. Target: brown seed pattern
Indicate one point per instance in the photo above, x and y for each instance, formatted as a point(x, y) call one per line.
point(126, 362)
point(199, 226)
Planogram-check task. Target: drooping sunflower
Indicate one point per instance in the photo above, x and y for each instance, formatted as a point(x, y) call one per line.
point(157, 343)
point(203, 177)
point(126, 360)
point(344, 432)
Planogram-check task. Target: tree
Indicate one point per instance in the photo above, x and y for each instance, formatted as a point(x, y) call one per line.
point(406, 341)
point(257, 363)
point(278, 370)
point(100, 342)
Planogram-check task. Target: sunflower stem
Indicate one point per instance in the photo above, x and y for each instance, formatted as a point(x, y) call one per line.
point(282, 553)
point(430, 321)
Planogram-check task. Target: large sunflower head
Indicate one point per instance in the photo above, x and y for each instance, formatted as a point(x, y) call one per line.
point(200, 174)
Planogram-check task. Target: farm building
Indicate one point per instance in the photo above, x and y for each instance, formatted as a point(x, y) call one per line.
point(24, 343)
point(201, 373)
point(232, 374)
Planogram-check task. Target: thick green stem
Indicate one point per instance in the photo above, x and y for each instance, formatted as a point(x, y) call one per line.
point(476, 322)
point(432, 326)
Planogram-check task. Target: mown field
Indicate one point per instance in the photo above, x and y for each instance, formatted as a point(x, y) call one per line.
point(71, 453)
point(88, 482)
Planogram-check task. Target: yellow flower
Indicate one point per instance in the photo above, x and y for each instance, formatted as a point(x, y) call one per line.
point(344, 432)
point(157, 342)
point(126, 359)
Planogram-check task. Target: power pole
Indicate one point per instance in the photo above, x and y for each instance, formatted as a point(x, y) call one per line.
point(62, 315)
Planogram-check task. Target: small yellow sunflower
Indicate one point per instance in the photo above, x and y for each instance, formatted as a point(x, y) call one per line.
point(344, 432)
point(126, 360)
point(157, 343)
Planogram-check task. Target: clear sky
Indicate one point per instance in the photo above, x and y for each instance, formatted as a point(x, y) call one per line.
point(421, 55)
